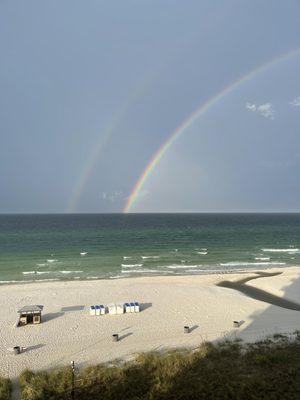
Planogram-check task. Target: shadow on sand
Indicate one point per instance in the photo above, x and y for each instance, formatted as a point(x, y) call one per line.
point(144, 306)
point(34, 347)
point(50, 316)
point(193, 328)
point(259, 294)
point(72, 308)
point(125, 336)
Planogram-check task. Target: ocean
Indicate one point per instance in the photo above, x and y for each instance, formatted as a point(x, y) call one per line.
point(96, 246)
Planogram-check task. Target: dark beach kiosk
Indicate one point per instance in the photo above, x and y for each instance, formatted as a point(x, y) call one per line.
point(30, 315)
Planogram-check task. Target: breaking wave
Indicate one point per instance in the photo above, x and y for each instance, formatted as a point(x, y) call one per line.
point(290, 250)
point(182, 266)
point(141, 271)
point(245, 264)
point(28, 281)
point(70, 272)
point(146, 257)
point(131, 265)
point(36, 272)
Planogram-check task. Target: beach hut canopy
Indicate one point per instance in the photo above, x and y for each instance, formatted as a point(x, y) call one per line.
point(31, 309)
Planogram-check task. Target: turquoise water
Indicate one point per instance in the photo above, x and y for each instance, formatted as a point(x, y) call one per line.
point(43, 247)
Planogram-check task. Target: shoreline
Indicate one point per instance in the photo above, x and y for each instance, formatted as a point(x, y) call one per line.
point(169, 274)
point(168, 303)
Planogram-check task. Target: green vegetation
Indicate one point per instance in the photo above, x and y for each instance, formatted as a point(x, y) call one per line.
point(229, 370)
point(54, 384)
point(5, 389)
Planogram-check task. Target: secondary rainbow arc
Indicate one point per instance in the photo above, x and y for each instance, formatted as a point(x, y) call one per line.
point(103, 140)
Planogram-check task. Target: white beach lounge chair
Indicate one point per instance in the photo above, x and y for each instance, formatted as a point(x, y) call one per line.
point(92, 310)
point(136, 306)
point(112, 309)
point(127, 307)
point(132, 306)
point(120, 308)
point(97, 307)
point(102, 309)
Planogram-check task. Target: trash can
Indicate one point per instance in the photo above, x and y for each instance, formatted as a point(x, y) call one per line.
point(115, 337)
point(236, 324)
point(17, 350)
point(186, 329)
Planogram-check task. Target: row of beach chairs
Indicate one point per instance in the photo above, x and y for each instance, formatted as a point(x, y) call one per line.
point(115, 308)
point(98, 310)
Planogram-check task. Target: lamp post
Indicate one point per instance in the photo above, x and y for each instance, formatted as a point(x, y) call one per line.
point(73, 380)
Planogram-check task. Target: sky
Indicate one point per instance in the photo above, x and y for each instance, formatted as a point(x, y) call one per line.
point(91, 91)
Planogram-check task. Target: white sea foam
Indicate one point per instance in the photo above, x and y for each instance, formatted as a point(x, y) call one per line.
point(245, 264)
point(29, 281)
point(126, 257)
point(262, 258)
point(290, 250)
point(83, 253)
point(200, 271)
point(146, 257)
point(141, 271)
point(70, 272)
point(41, 265)
point(116, 277)
point(51, 260)
point(202, 252)
point(36, 272)
point(131, 265)
point(182, 266)
point(209, 271)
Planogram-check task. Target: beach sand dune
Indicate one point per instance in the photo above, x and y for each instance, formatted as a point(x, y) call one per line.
point(69, 333)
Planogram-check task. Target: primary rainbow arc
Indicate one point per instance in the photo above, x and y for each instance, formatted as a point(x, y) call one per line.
point(135, 193)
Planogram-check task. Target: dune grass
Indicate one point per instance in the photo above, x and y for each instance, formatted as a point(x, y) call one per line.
point(5, 389)
point(229, 370)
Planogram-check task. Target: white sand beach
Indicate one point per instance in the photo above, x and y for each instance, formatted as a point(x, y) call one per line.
point(68, 332)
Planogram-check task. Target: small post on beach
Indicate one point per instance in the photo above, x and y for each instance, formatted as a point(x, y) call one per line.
point(73, 380)
point(186, 329)
point(115, 337)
